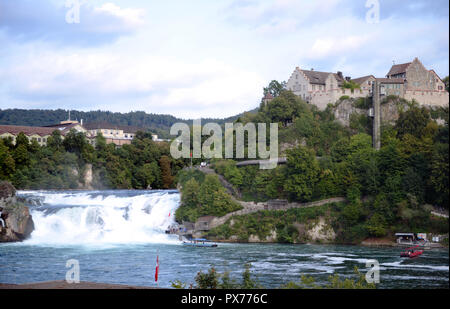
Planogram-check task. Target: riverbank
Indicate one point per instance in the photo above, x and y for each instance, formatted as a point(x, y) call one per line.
point(64, 285)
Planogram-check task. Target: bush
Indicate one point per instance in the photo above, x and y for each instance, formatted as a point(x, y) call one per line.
point(363, 103)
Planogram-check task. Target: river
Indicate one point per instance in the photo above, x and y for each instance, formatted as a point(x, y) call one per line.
point(116, 236)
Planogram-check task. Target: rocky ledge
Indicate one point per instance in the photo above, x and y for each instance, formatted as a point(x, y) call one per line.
point(16, 223)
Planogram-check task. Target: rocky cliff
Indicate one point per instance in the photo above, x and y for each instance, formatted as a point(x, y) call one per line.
point(18, 223)
point(390, 109)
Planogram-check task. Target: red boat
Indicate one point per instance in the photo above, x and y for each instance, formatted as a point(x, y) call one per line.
point(411, 253)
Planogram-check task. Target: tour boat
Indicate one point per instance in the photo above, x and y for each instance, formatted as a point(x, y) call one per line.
point(199, 242)
point(411, 253)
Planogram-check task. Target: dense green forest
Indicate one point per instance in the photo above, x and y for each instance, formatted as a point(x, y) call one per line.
point(63, 163)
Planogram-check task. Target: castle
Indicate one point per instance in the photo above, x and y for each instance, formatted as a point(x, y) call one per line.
point(408, 80)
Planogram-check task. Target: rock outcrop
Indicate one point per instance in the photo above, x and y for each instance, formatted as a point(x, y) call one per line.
point(16, 217)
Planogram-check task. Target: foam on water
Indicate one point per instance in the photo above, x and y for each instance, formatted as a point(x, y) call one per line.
point(91, 218)
point(400, 265)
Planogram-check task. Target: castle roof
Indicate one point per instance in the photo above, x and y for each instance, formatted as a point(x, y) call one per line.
point(27, 130)
point(361, 80)
point(398, 69)
point(268, 96)
point(317, 77)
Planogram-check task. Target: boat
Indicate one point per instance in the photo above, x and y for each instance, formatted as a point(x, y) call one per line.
point(199, 242)
point(411, 252)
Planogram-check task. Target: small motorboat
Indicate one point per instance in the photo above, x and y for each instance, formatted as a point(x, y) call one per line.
point(411, 252)
point(199, 242)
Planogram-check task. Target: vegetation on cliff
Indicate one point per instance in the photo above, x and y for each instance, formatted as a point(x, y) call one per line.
point(202, 195)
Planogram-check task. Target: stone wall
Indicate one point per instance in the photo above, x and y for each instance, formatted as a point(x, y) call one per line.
point(251, 207)
point(322, 98)
point(430, 98)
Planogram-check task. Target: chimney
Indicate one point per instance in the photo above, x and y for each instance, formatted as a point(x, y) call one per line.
point(339, 73)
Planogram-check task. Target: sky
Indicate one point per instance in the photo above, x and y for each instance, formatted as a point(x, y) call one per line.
point(201, 58)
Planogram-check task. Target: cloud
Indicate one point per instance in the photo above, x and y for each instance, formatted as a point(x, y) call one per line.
point(206, 58)
point(158, 83)
point(333, 35)
point(25, 20)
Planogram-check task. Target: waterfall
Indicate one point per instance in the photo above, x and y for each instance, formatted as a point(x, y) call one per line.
point(101, 217)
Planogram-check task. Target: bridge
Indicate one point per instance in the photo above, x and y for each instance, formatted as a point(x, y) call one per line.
point(281, 160)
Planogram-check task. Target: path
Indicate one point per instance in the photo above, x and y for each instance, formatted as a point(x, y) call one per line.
point(251, 207)
point(234, 192)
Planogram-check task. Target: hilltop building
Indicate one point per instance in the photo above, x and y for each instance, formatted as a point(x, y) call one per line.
point(420, 84)
point(41, 134)
point(119, 135)
point(409, 80)
point(267, 98)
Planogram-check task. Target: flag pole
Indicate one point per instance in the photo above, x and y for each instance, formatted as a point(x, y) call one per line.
point(157, 267)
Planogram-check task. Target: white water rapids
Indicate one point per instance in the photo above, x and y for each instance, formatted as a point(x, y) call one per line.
point(96, 217)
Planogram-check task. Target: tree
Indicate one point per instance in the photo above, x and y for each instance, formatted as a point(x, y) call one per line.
point(439, 179)
point(210, 186)
point(376, 225)
point(285, 108)
point(446, 82)
point(22, 140)
point(190, 196)
point(350, 85)
point(166, 172)
point(21, 156)
point(147, 175)
point(55, 141)
point(413, 121)
point(302, 173)
point(7, 164)
point(275, 88)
